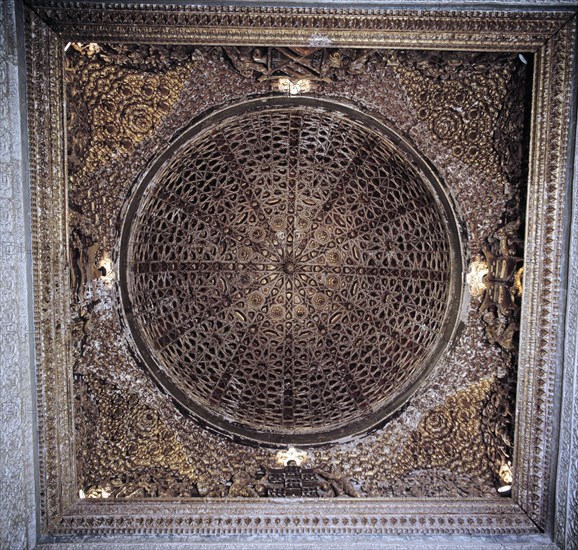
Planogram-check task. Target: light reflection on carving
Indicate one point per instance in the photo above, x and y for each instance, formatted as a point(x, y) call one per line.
point(475, 277)
point(291, 454)
point(293, 87)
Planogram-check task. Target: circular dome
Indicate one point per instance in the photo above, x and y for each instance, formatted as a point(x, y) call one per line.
point(290, 271)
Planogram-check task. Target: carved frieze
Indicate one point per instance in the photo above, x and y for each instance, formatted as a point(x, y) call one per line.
point(307, 66)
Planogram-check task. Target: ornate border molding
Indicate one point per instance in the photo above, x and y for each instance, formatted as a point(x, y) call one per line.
point(547, 195)
point(550, 34)
point(566, 528)
point(48, 205)
point(252, 517)
point(478, 30)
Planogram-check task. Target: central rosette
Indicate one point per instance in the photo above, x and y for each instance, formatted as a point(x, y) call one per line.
point(288, 271)
point(288, 266)
point(283, 274)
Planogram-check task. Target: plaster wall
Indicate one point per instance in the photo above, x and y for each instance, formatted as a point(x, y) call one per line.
point(17, 486)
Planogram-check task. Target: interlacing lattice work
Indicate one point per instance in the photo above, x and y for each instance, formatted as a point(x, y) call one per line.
point(289, 271)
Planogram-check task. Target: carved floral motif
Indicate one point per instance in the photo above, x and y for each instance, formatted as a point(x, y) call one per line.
point(116, 97)
point(461, 101)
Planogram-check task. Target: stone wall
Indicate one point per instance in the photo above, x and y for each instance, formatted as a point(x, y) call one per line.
point(17, 487)
point(566, 519)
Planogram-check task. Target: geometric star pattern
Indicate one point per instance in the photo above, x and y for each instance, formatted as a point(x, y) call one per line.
point(289, 273)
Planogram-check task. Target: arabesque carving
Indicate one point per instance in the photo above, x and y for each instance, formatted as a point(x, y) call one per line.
point(500, 311)
point(548, 35)
point(312, 65)
point(463, 102)
point(131, 452)
point(290, 273)
point(117, 95)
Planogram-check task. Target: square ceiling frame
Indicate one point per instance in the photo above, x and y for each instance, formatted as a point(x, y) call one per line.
point(549, 35)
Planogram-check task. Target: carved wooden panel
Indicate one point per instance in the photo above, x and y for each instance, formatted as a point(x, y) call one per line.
point(210, 200)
